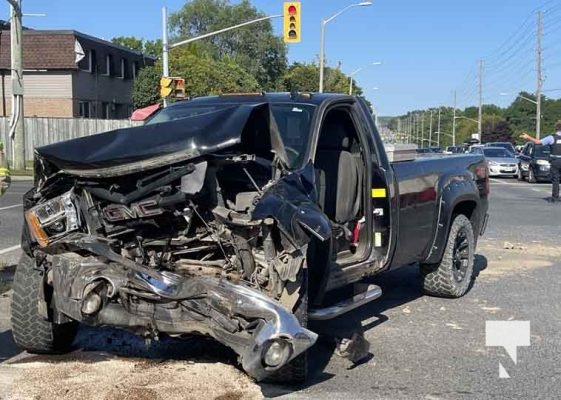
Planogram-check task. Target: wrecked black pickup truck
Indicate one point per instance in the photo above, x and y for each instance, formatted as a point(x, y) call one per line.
point(236, 217)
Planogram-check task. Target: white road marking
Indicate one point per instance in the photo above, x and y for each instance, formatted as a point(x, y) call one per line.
point(9, 249)
point(8, 207)
point(498, 181)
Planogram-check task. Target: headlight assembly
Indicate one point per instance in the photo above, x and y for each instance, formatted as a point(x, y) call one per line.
point(53, 219)
point(493, 163)
point(542, 162)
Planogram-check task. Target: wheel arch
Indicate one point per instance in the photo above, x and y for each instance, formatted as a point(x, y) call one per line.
point(460, 199)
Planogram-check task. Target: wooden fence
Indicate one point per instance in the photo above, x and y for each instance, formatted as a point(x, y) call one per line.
point(42, 131)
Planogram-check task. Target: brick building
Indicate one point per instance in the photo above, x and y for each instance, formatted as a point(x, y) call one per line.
point(70, 74)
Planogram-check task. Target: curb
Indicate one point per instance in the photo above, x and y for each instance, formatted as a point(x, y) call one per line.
point(21, 178)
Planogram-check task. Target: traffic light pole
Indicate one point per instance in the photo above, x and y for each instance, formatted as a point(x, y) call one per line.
point(166, 46)
point(17, 128)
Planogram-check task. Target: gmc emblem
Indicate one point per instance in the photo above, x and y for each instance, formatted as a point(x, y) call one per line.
point(142, 209)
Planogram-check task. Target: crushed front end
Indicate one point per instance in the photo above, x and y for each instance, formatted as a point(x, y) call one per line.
point(214, 245)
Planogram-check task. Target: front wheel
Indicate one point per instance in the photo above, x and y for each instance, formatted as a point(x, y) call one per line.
point(531, 176)
point(31, 331)
point(453, 275)
point(519, 174)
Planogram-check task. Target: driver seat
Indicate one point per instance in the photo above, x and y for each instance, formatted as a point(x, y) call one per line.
point(338, 171)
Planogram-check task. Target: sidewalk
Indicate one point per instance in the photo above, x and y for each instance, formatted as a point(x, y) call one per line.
point(22, 178)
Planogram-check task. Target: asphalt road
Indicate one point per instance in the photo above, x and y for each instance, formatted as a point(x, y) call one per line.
point(424, 347)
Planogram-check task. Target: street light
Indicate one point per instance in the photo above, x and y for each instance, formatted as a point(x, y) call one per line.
point(470, 119)
point(454, 126)
point(352, 74)
point(538, 117)
point(322, 44)
point(522, 97)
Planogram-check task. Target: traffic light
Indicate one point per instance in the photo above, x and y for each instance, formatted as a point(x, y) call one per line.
point(292, 22)
point(172, 87)
point(179, 92)
point(166, 86)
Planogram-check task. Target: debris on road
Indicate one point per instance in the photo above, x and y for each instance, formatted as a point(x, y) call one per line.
point(512, 246)
point(96, 375)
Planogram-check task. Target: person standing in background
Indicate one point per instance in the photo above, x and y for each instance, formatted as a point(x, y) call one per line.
point(553, 140)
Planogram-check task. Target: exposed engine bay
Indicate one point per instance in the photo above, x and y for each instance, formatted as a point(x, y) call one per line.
point(213, 245)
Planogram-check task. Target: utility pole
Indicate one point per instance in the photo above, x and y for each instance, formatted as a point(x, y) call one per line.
point(410, 133)
point(539, 76)
point(165, 47)
point(423, 129)
point(438, 143)
point(454, 121)
point(17, 128)
point(430, 129)
point(480, 119)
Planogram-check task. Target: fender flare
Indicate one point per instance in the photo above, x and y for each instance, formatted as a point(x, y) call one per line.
point(455, 193)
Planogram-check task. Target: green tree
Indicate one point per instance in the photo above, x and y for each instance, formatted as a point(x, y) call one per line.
point(304, 77)
point(146, 89)
point(206, 76)
point(130, 42)
point(153, 47)
point(254, 48)
point(496, 130)
point(150, 47)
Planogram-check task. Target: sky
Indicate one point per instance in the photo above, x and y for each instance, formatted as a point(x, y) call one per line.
point(428, 48)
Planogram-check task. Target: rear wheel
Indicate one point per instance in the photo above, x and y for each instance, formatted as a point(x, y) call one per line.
point(452, 276)
point(31, 331)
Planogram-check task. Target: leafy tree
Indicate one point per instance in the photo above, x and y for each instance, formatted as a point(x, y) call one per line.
point(496, 130)
point(304, 77)
point(130, 42)
point(151, 47)
point(146, 87)
point(255, 48)
point(206, 76)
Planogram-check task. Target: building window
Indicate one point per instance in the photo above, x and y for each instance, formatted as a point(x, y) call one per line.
point(84, 107)
point(135, 69)
point(105, 110)
point(87, 63)
point(108, 65)
point(122, 69)
point(93, 62)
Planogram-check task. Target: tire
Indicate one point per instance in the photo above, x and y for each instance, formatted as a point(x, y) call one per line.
point(520, 175)
point(296, 371)
point(31, 331)
point(453, 275)
point(531, 176)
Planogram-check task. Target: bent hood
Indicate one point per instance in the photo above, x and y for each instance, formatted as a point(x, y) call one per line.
point(129, 150)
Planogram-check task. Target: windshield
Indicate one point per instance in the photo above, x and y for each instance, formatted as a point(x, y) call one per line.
point(505, 145)
point(293, 121)
point(496, 153)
